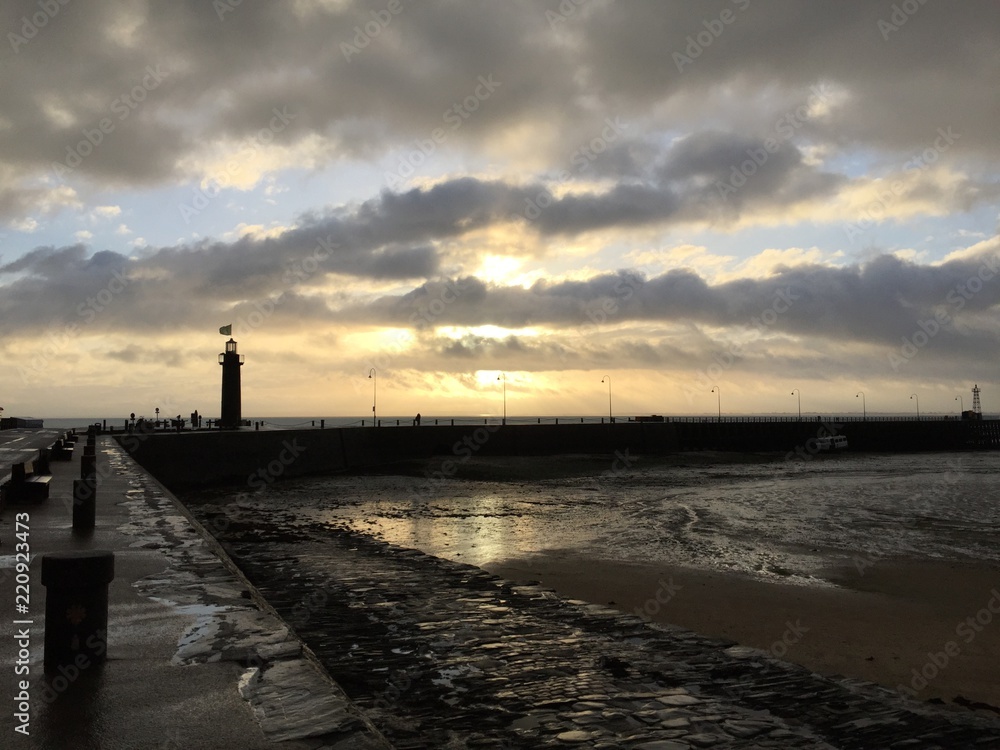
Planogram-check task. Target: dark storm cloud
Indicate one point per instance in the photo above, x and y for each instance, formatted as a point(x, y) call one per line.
point(222, 77)
point(876, 303)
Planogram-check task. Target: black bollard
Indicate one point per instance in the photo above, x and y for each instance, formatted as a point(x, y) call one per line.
point(76, 609)
point(84, 503)
point(88, 465)
point(90, 449)
point(322, 424)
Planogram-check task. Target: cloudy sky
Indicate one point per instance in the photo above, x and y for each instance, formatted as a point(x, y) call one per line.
point(757, 195)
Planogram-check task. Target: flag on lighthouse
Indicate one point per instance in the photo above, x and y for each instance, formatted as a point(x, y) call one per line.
point(227, 330)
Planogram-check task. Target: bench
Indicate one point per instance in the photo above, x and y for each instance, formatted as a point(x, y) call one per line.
point(60, 450)
point(25, 484)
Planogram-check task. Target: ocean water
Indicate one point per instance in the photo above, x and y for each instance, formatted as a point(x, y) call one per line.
point(762, 516)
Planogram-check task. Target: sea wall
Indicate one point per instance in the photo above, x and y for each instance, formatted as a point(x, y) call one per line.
point(251, 457)
point(246, 456)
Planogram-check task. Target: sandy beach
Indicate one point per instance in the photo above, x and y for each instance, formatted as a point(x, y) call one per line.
point(897, 624)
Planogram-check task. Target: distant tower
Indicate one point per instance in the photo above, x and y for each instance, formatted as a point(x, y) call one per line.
point(231, 403)
point(976, 406)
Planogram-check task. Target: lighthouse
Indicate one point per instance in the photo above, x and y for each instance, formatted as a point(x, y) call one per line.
point(231, 403)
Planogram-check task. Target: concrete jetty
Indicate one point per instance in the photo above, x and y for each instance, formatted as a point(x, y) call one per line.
point(195, 658)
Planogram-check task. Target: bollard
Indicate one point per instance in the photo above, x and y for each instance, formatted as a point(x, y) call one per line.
point(76, 609)
point(322, 424)
point(88, 465)
point(84, 503)
point(89, 449)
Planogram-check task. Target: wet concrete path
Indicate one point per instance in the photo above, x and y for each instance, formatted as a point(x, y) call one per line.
point(444, 655)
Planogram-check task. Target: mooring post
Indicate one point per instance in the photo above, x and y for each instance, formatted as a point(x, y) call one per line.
point(88, 465)
point(85, 503)
point(76, 608)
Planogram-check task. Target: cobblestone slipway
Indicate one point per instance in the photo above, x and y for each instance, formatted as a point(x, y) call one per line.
point(444, 655)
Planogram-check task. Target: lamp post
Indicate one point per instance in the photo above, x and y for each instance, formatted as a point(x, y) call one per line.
point(864, 407)
point(794, 392)
point(718, 397)
point(917, 399)
point(610, 412)
point(373, 376)
point(503, 377)
point(961, 403)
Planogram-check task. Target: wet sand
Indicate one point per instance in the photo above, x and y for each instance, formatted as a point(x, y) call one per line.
point(879, 625)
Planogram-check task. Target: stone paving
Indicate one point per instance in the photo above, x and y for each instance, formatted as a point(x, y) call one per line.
point(441, 654)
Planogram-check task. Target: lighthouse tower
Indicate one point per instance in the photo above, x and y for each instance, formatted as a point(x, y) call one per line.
point(231, 402)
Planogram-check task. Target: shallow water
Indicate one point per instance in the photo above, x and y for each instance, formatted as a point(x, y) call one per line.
point(773, 519)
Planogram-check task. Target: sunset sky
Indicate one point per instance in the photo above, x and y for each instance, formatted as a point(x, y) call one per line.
point(757, 195)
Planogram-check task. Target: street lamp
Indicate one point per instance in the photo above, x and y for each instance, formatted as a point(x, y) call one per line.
point(864, 407)
point(794, 392)
point(503, 376)
point(373, 376)
point(610, 412)
point(914, 396)
point(718, 393)
point(961, 402)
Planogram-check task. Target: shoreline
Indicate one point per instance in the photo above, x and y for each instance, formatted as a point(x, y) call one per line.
point(902, 624)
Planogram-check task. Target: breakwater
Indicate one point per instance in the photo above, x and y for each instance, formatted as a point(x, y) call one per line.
point(255, 458)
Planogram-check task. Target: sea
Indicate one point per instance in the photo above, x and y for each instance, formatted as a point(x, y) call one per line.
point(760, 515)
